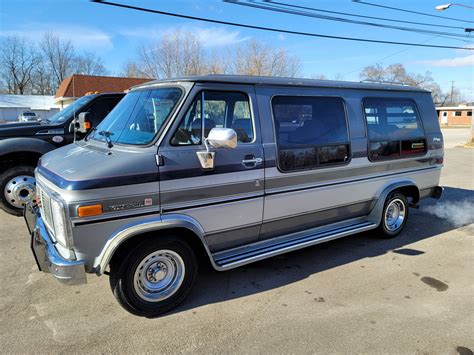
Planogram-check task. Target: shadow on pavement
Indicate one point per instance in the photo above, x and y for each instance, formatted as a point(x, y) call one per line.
point(213, 286)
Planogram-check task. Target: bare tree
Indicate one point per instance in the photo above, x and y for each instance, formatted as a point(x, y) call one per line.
point(18, 60)
point(179, 53)
point(398, 73)
point(59, 54)
point(256, 58)
point(319, 76)
point(42, 81)
point(89, 64)
point(131, 70)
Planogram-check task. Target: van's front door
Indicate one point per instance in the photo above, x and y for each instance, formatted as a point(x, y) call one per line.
point(226, 201)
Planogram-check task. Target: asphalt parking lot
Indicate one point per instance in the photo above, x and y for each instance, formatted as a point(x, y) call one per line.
point(411, 294)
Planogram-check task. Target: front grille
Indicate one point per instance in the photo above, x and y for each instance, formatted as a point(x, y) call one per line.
point(45, 209)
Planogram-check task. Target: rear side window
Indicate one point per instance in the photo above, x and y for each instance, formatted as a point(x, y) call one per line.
point(394, 128)
point(310, 131)
point(221, 109)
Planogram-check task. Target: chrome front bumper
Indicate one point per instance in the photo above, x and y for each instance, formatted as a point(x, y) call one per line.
point(69, 272)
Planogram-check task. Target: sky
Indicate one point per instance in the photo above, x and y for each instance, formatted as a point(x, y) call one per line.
point(115, 33)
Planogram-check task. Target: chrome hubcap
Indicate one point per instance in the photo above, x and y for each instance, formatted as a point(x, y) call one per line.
point(159, 275)
point(395, 215)
point(20, 190)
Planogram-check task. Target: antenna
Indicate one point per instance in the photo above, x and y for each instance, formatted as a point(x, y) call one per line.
point(74, 109)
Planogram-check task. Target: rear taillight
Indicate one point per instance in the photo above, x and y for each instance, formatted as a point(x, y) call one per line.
point(439, 160)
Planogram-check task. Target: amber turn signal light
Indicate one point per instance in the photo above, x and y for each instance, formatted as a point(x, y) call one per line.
point(87, 125)
point(87, 211)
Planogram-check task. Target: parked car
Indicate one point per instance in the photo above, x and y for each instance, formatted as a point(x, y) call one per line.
point(22, 144)
point(28, 116)
point(155, 184)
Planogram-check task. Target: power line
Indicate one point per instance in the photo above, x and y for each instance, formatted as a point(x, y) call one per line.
point(340, 19)
point(411, 11)
point(308, 34)
point(388, 56)
point(363, 16)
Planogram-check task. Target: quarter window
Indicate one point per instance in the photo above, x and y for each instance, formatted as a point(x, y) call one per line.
point(394, 128)
point(310, 132)
point(221, 109)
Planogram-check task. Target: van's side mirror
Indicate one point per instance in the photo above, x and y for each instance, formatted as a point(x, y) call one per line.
point(82, 124)
point(218, 138)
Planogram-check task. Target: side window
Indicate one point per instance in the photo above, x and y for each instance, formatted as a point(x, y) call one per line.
point(100, 109)
point(221, 109)
point(310, 131)
point(394, 128)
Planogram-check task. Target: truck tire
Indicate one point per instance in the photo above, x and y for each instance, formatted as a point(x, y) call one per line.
point(154, 277)
point(17, 187)
point(394, 215)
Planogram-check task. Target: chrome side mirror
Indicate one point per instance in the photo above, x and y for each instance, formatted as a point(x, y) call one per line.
point(217, 138)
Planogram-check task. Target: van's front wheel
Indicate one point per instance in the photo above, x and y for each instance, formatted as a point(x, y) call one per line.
point(155, 277)
point(394, 215)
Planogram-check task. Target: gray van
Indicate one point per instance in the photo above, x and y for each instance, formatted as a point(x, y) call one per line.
point(235, 168)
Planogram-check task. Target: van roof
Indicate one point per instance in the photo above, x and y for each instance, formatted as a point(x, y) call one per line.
point(282, 81)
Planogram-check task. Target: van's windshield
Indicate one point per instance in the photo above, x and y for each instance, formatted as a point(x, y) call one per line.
point(139, 116)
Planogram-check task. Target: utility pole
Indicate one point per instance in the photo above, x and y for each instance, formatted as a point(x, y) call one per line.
point(452, 93)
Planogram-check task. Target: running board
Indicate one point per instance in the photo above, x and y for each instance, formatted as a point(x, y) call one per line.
point(231, 259)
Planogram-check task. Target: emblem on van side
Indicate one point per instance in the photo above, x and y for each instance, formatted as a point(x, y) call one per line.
point(130, 205)
point(436, 139)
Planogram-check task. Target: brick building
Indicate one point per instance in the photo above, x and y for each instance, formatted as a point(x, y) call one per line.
point(455, 115)
point(76, 86)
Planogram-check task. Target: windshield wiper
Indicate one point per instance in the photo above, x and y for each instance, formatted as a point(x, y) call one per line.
point(106, 135)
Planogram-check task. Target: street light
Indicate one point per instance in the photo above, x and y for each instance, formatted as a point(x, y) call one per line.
point(447, 6)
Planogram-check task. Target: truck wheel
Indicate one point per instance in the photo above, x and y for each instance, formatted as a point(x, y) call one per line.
point(154, 277)
point(17, 187)
point(394, 215)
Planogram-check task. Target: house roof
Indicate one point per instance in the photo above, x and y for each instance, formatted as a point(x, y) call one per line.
point(33, 102)
point(281, 81)
point(78, 85)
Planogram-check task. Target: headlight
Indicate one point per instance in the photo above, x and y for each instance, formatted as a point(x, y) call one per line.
point(59, 221)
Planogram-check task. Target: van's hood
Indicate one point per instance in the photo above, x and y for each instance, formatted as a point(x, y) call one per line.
point(88, 165)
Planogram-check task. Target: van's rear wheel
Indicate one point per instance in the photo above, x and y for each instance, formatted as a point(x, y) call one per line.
point(394, 215)
point(17, 188)
point(154, 277)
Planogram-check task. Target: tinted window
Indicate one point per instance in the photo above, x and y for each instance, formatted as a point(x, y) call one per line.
point(458, 113)
point(469, 113)
point(310, 131)
point(394, 128)
point(221, 109)
point(100, 109)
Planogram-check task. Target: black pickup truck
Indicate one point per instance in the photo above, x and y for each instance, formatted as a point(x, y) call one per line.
point(22, 144)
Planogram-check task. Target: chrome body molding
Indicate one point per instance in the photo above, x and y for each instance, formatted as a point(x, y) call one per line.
point(248, 254)
point(151, 224)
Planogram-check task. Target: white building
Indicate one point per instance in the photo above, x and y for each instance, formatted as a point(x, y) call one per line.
point(13, 105)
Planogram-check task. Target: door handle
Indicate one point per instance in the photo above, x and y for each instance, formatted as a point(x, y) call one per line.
point(251, 162)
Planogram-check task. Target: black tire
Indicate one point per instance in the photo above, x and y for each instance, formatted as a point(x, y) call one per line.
point(384, 230)
point(122, 276)
point(5, 177)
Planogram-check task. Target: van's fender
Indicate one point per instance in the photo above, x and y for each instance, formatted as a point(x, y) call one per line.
point(158, 223)
point(23, 144)
point(375, 215)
